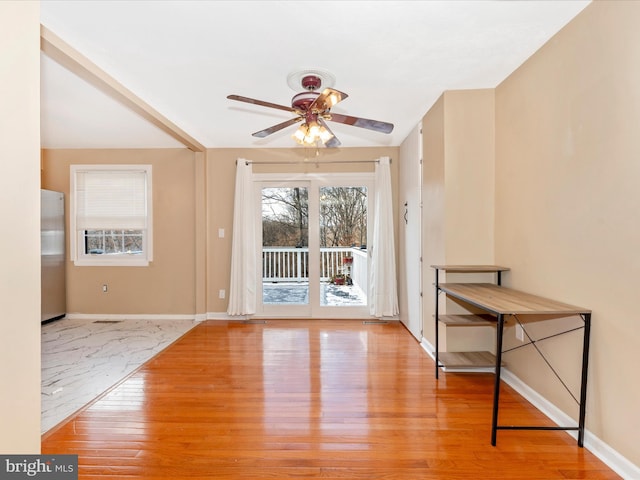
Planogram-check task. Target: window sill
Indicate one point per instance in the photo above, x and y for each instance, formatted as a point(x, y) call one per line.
point(111, 262)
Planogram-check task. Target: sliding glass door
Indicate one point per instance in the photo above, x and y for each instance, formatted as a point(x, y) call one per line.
point(314, 246)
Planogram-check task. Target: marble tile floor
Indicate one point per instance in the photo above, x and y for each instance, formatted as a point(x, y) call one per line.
point(81, 359)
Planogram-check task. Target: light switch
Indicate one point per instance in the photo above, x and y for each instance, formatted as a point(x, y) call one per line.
point(221, 233)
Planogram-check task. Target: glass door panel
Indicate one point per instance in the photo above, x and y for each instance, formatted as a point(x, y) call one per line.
point(343, 246)
point(285, 247)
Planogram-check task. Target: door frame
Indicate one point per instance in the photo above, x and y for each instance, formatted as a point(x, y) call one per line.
point(313, 181)
point(410, 234)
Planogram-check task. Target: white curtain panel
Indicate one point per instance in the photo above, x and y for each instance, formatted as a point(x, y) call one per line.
point(382, 281)
point(242, 289)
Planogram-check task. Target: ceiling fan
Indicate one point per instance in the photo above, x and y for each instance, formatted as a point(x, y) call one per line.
point(313, 109)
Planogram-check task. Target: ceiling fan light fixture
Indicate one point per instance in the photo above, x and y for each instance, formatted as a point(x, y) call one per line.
point(325, 135)
point(314, 130)
point(300, 133)
point(309, 134)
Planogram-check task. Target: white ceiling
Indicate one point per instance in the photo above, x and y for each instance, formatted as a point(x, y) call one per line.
point(393, 58)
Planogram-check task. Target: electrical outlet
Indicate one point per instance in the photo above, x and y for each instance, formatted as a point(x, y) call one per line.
point(519, 332)
point(105, 288)
point(221, 293)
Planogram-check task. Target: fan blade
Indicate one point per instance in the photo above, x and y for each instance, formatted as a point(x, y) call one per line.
point(375, 125)
point(275, 128)
point(327, 99)
point(261, 103)
point(333, 141)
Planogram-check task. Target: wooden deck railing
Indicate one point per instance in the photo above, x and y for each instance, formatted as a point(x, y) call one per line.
point(290, 264)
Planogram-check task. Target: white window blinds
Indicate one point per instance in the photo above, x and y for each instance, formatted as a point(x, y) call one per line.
point(111, 199)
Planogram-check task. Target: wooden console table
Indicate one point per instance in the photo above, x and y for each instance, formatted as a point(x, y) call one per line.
point(502, 302)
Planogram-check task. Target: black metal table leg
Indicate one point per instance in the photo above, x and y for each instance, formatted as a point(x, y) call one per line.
point(496, 389)
point(583, 383)
point(437, 336)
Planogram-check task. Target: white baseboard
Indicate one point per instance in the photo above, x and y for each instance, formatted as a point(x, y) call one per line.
point(226, 316)
point(427, 347)
point(127, 316)
point(614, 460)
point(200, 317)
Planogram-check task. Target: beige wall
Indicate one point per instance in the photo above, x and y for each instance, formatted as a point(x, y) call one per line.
point(220, 188)
point(20, 239)
point(469, 176)
point(567, 203)
point(167, 285)
point(458, 200)
point(433, 208)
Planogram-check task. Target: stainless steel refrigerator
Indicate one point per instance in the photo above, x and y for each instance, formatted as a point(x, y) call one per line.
point(54, 297)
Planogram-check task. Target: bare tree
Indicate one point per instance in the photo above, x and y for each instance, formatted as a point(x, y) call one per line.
point(285, 213)
point(343, 216)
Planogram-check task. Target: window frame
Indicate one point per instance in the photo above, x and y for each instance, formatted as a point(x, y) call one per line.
point(77, 237)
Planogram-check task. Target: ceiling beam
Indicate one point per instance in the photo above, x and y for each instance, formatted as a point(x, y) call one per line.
point(67, 56)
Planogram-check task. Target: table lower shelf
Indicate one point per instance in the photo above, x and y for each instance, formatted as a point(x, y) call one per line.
point(467, 359)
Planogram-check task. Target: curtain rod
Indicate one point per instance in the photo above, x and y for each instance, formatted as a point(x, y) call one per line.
point(302, 162)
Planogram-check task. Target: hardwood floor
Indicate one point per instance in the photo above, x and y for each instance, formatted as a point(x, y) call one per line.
point(309, 399)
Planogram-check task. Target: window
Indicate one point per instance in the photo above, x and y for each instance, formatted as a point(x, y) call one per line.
point(111, 215)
